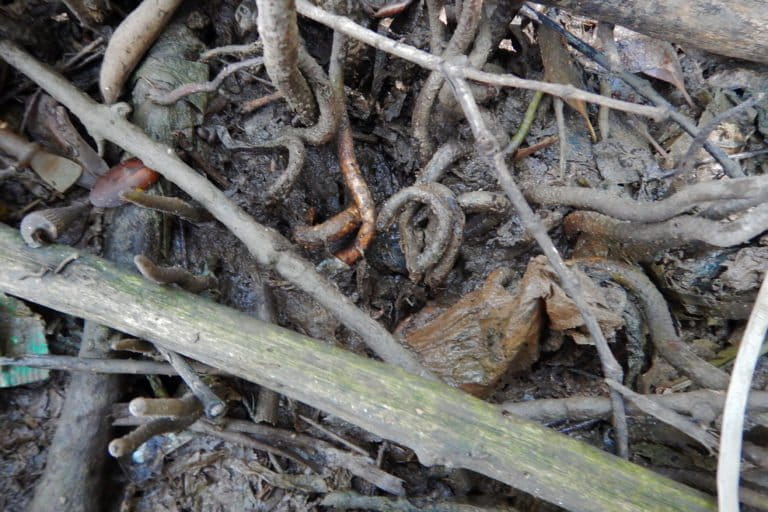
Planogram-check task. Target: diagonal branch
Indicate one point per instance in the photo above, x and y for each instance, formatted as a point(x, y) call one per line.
point(268, 246)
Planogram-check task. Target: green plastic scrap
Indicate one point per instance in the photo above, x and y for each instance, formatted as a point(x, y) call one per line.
point(22, 332)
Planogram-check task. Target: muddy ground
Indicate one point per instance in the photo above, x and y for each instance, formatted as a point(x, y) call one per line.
point(709, 290)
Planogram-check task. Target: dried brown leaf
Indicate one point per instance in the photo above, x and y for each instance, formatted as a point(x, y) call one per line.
point(491, 331)
point(658, 59)
point(559, 68)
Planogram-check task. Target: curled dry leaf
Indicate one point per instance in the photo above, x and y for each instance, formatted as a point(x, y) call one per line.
point(559, 68)
point(129, 42)
point(658, 59)
point(491, 331)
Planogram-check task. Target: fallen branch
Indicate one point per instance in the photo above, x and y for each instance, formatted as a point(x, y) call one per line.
point(440, 424)
point(266, 245)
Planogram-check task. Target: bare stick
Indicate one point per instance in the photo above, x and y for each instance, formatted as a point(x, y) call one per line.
point(335, 437)
point(424, 59)
point(211, 86)
point(488, 146)
point(728, 466)
point(623, 208)
point(686, 163)
point(213, 406)
point(236, 437)
point(127, 444)
point(668, 416)
point(93, 365)
point(279, 33)
point(267, 246)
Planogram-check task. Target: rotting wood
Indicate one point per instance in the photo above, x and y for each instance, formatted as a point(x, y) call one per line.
point(737, 28)
point(442, 425)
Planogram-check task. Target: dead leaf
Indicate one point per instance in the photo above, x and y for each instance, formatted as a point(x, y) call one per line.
point(657, 59)
point(559, 68)
point(491, 331)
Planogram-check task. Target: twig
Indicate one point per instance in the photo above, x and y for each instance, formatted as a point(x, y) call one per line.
point(533, 148)
point(562, 137)
point(266, 245)
point(279, 33)
point(661, 326)
point(687, 162)
point(424, 59)
point(236, 437)
point(233, 49)
point(579, 408)
point(361, 195)
point(335, 437)
point(488, 146)
point(91, 365)
point(525, 125)
point(736, 156)
point(441, 159)
point(735, 403)
point(254, 104)
point(668, 416)
point(213, 406)
point(127, 444)
point(484, 201)
point(211, 86)
point(622, 208)
point(436, 27)
point(640, 85)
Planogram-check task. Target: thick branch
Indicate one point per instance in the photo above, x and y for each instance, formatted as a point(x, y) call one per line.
point(440, 424)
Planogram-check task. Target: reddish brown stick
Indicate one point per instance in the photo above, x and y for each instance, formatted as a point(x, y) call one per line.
point(358, 188)
point(335, 228)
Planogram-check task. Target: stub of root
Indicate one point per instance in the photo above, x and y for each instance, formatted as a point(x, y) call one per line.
point(431, 254)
